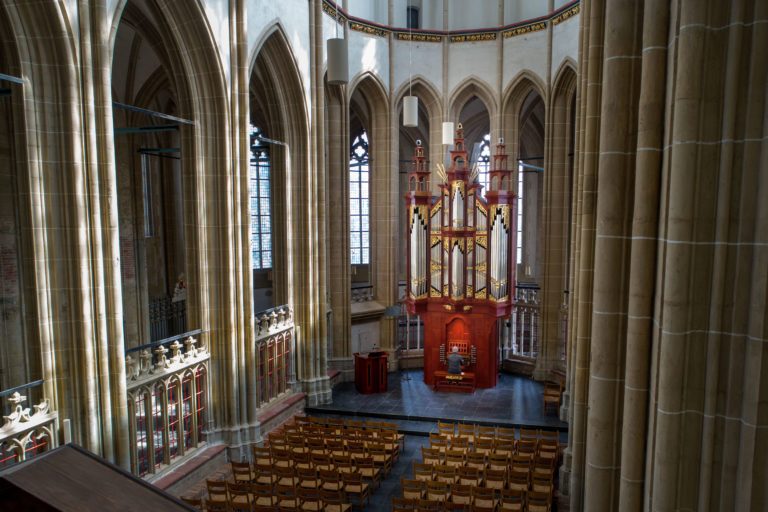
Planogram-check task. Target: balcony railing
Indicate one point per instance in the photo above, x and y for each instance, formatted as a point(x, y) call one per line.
point(23, 433)
point(520, 333)
point(167, 318)
point(275, 346)
point(167, 400)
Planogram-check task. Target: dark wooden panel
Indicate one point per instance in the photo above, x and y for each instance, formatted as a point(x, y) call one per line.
point(71, 479)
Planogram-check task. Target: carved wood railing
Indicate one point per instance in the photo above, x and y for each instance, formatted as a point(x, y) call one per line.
point(24, 434)
point(167, 401)
point(275, 348)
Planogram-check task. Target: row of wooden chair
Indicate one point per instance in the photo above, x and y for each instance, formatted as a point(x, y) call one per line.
point(464, 457)
point(488, 444)
point(344, 457)
point(234, 497)
point(311, 424)
point(472, 431)
point(494, 480)
point(465, 497)
point(474, 476)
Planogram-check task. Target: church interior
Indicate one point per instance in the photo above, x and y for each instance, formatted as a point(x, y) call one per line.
point(384, 255)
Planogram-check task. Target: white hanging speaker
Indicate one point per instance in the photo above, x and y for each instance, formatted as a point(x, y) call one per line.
point(411, 111)
point(338, 67)
point(448, 133)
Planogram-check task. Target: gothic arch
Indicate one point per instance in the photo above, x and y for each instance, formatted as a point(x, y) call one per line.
point(515, 97)
point(431, 104)
point(465, 90)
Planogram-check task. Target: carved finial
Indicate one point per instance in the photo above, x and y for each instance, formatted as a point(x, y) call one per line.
point(162, 361)
point(418, 142)
point(17, 398)
point(501, 140)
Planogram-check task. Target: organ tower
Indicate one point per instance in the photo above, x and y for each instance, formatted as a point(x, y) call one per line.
point(461, 271)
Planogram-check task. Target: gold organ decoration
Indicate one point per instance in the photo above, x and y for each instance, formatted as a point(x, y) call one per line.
point(461, 266)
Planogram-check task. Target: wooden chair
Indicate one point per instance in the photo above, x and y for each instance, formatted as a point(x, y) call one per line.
point(239, 494)
point(330, 480)
point(461, 494)
point(438, 491)
point(499, 461)
point(321, 461)
point(484, 497)
point(402, 504)
point(486, 432)
point(512, 500)
point(307, 478)
point(542, 484)
point(264, 475)
point(455, 458)
point(334, 500)
point(413, 489)
point(466, 431)
point(380, 457)
point(427, 506)
point(369, 471)
point(446, 429)
point(261, 495)
point(496, 479)
point(539, 502)
point(285, 496)
point(424, 472)
point(504, 446)
point(552, 394)
point(286, 476)
point(309, 499)
point(301, 460)
point(218, 497)
point(518, 482)
point(343, 464)
point(484, 445)
point(431, 455)
point(355, 486)
point(476, 460)
point(446, 474)
point(470, 476)
point(261, 455)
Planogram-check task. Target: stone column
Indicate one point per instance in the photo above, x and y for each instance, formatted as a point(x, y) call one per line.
point(590, 51)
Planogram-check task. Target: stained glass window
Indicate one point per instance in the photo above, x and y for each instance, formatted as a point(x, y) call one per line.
point(260, 190)
point(484, 163)
point(358, 200)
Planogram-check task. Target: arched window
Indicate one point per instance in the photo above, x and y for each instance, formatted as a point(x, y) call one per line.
point(358, 201)
point(484, 163)
point(260, 191)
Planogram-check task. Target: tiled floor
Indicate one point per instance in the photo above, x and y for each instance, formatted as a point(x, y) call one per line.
point(515, 401)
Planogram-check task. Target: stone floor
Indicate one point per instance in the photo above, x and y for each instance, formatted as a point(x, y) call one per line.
point(515, 401)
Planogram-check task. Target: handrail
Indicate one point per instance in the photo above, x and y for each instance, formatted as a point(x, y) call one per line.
point(10, 391)
point(171, 339)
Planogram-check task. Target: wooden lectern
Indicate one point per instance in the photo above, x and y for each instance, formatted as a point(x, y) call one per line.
point(371, 372)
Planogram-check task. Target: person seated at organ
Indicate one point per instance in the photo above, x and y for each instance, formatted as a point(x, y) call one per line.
point(455, 361)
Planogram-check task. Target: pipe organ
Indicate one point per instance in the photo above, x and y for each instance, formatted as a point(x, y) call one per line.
point(460, 244)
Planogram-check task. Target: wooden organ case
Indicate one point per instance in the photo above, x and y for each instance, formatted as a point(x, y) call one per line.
point(461, 266)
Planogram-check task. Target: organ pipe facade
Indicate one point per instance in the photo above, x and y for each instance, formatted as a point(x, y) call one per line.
point(459, 245)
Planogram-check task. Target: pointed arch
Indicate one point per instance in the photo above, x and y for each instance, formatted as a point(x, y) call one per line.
point(465, 90)
point(524, 84)
point(278, 101)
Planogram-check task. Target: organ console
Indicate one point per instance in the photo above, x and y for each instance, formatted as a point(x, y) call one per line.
point(461, 274)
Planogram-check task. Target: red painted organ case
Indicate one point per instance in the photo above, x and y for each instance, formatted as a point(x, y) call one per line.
point(461, 265)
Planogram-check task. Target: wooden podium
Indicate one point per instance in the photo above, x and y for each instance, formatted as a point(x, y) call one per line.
point(371, 372)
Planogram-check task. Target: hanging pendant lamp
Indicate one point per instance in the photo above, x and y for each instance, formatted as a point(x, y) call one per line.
point(448, 133)
point(338, 55)
point(411, 111)
point(338, 67)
